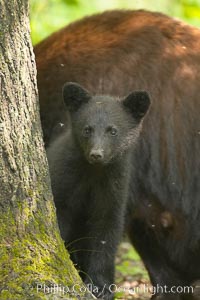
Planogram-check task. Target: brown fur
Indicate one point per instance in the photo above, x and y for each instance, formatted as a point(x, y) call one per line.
point(115, 53)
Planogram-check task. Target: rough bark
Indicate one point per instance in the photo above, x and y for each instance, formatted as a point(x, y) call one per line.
point(32, 251)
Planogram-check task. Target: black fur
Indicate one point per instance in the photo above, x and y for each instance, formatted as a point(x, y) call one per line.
point(115, 53)
point(90, 173)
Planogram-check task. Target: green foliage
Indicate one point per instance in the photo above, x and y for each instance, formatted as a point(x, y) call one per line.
point(131, 254)
point(48, 16)
point(129, 263)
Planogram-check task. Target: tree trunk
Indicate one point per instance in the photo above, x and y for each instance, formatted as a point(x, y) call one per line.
point(32, 254)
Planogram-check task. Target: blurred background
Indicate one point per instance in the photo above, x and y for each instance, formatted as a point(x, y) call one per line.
point(50, 15)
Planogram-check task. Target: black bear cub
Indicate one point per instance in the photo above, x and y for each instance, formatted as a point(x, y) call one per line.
point(90, 174)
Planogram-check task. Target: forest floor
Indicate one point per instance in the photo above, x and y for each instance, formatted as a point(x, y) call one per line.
point(132, 281)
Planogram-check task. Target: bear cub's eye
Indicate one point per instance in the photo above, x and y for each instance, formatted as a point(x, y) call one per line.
point(87, 131)
point(112, 130)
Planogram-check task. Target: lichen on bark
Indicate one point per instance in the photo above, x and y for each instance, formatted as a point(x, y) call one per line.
point(32, 253)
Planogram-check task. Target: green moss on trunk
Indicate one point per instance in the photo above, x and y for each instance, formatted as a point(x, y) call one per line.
point(32, 259)
point(32, 253)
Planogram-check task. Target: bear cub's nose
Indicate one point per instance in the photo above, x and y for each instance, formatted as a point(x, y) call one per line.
point(96, 155)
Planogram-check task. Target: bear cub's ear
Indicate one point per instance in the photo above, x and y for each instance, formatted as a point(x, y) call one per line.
point(137, 103)
point(74, 96)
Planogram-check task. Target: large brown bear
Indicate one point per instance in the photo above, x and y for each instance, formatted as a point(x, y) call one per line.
point(115, 53)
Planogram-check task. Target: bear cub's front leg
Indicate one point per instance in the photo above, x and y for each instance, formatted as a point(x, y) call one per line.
point(90, 166)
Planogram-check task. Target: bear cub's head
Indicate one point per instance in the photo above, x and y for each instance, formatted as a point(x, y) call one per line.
point(103, 126)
